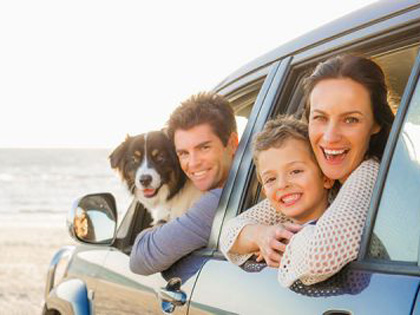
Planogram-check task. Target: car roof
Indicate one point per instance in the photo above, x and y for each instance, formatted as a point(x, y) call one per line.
point(363, 17)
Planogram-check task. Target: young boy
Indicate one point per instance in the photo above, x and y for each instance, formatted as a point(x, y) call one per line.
point(296, 191)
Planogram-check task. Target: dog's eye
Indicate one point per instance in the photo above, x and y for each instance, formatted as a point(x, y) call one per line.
point(134, 159)
point(160, 158)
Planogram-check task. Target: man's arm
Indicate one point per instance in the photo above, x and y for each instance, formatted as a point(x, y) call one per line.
point(155, 250)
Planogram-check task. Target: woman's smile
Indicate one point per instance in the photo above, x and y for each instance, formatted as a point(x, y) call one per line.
point(334, 156)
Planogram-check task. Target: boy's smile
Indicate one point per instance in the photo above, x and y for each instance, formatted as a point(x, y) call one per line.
point(293, 182)
point(290, 199)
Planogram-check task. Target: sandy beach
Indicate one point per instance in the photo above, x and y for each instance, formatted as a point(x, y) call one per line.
point(27, 244)
point(37, 188)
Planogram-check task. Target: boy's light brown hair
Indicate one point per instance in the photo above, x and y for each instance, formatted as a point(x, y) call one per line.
point(204, 108)
point(276, 132)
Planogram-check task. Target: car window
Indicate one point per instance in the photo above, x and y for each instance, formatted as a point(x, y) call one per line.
point(396, 64)
point(242, 101)
point(136, 218)
point(397, 229)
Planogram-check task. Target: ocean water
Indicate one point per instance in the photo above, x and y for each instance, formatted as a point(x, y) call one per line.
point(41, 184)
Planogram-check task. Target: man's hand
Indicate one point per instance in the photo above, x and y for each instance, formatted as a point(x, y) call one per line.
point(272, 241)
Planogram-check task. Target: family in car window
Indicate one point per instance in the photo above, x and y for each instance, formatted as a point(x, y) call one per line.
point(317, 173)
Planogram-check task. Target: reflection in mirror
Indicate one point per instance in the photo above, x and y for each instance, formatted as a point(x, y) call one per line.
point(93, 219)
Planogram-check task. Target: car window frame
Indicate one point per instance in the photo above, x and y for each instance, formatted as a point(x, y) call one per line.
point(240, 173)
point(291, 94)
point(399, 267)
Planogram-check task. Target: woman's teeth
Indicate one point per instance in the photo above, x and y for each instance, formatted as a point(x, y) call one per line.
point(334, 154)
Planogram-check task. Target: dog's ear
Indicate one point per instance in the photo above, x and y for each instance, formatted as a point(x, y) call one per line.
point(117, 156)
point(165, 131)
point(178, 172)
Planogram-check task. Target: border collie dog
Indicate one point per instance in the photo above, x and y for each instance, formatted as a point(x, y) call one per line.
point(149, 166)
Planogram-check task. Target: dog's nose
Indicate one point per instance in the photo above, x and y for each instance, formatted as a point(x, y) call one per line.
point(145, 180)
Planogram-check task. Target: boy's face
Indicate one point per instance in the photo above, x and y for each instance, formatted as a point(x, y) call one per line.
point(293, 182)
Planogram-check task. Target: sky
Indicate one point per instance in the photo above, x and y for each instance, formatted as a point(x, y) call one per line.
point(85, 73)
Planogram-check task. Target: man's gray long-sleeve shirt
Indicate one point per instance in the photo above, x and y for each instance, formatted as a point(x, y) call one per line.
point(156, 249)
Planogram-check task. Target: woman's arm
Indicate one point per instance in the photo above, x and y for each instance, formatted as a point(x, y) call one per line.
point(319, 251)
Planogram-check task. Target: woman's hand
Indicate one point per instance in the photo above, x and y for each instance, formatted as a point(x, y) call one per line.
point(272, 241)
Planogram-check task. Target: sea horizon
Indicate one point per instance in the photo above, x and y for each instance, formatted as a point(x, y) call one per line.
point(46, 181)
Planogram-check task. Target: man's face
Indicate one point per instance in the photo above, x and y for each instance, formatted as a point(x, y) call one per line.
point(203, 157)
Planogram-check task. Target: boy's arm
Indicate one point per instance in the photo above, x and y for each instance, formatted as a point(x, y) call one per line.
point(156, 249)
point(269, 241)
point(239, 236)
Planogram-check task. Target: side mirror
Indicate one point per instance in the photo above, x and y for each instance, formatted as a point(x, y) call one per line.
point(93, 219)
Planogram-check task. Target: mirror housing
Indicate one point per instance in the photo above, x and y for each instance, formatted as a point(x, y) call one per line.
point(93, 219)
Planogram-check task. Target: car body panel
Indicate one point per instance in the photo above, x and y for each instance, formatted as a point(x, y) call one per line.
point(120, 291)
point(352, 290)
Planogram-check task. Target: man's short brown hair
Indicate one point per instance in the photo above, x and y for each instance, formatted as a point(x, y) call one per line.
point(204, 108)
point(276, 132)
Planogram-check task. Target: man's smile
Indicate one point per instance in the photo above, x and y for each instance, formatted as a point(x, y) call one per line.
point(199, 174)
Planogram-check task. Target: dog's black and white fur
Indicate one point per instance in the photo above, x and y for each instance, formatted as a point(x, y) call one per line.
point(148, 164)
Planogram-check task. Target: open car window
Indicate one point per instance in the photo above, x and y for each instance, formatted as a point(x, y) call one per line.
point(396, 63)
point(242, 101)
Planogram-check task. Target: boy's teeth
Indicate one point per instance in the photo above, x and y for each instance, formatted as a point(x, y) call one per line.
point(290, 198)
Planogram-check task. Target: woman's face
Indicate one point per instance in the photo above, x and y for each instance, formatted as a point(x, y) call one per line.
point(341, 123)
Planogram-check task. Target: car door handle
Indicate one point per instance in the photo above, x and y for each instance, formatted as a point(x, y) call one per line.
point(177, 298)
point(337, 312)
point(172, 296)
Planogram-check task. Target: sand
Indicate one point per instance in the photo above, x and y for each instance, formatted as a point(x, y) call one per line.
point(27, 244)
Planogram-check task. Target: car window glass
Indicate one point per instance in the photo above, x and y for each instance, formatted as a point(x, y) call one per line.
point(397, 65)
point(397, 229)
point(242, 101)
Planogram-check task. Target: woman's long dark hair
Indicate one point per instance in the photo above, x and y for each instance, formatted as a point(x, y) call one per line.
point(370, 75)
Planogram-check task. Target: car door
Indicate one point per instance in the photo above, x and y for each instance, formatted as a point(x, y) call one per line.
point(223, 288)
point(371, 285)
